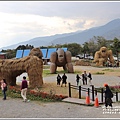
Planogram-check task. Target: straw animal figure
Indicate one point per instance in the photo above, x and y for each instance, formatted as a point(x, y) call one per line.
point(102, 56)
point(61, 59)
point(11, 68)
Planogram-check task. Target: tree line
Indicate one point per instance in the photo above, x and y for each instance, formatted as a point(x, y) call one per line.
point(90, 47)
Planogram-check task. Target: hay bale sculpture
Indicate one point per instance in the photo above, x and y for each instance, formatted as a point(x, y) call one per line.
point(61, 59)
point(11, 68)
point(102, 56)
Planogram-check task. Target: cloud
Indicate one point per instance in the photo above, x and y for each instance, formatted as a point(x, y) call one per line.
point(24, 20)
point(21, 27)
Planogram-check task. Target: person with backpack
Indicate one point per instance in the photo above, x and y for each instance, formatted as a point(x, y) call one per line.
point(78, 79)
point(4, 88)
point(108, 96)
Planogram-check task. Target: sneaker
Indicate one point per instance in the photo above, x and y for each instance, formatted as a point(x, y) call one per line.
point(25, 100)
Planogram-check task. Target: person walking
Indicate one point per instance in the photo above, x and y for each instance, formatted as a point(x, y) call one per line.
point(108, 96)
point(85, 77)
point(58, 79)
point(24, 87)
point(4, 88)
point(64, 78)
point(77, 79)
point(90, 78)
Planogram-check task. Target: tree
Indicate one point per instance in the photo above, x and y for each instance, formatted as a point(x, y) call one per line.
point(85, 48)
point(22, 47)
point(92, 47)
point(96, 43)
point(74, 48)
point(101, 42)
point(116, 46)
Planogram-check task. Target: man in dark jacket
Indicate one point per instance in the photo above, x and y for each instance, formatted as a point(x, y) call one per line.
point(58, 79)
point(64, 78)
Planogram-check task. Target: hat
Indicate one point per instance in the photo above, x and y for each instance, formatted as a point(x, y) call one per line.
point(105, 84)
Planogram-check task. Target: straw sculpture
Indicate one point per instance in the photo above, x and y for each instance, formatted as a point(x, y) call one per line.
point(36, 52)
point(61, 59)
point(11, 68)
point(102, 56)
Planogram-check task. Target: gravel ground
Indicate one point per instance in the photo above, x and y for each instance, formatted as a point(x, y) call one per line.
point(15, 108)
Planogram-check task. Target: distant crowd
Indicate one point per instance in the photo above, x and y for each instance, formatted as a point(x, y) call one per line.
point(108, 64)
point(83, 79)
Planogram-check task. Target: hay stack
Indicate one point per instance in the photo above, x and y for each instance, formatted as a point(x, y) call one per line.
point(82, 63)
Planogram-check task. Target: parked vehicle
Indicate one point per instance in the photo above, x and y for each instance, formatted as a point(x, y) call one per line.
point(90, 57)
point(80, 56)
point(87, 56)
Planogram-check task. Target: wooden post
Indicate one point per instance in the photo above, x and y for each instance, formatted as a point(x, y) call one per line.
point(95, 92)
point(117, 96)
point(102, 95)
point(79, 92)
point(69, 90)
point(88, 91)
point(93, 98)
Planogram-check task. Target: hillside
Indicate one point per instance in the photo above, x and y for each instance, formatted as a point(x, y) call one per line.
point(109, 31)
point(39, 41)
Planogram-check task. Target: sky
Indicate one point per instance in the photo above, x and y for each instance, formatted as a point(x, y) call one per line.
point(24, 20)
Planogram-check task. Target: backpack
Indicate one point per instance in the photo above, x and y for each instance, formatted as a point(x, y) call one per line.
point(5, 88)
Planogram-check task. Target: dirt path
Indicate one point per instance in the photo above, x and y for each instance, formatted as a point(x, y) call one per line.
point(15, 108)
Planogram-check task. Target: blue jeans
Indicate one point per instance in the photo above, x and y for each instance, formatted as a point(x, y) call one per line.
point(4, 94)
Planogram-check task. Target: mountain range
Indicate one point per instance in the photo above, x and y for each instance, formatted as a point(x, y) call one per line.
point(109, 31)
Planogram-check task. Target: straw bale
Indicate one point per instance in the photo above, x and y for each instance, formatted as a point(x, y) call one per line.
point(82, 63)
